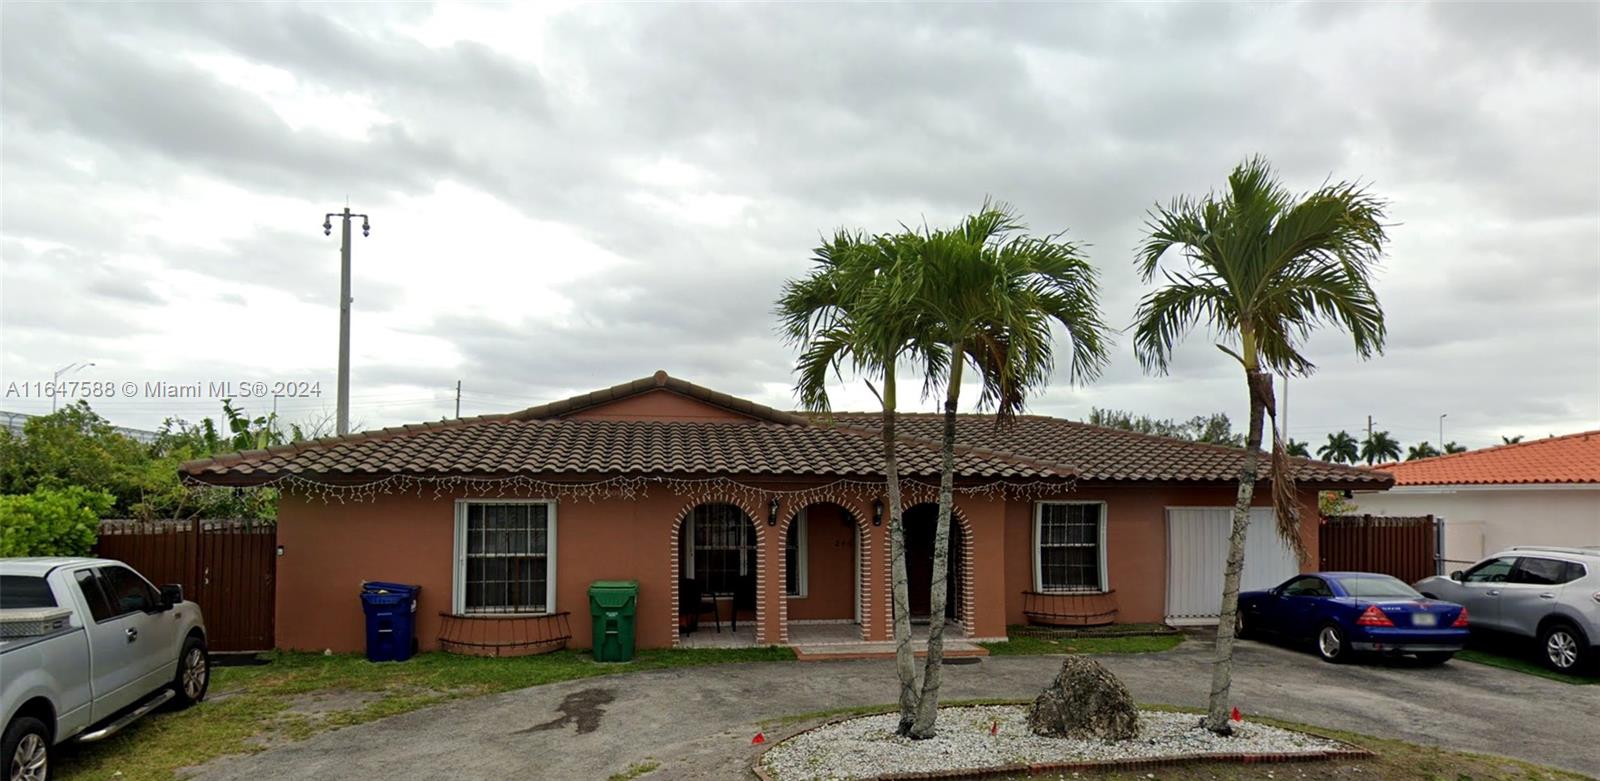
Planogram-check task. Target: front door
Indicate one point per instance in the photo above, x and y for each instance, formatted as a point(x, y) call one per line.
point(921, 523)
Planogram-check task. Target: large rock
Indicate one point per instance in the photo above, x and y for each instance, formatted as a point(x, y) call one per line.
point(1085, 701)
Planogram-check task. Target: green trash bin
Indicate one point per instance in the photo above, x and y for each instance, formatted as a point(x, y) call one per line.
point(612, 604)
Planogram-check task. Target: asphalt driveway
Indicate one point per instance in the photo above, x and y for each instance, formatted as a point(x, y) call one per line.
point(698, 722)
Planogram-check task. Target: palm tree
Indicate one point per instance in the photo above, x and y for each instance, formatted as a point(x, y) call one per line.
point(993, 295)
point(1451, 447)
point(1505, 440)
point(1263, 268)
point(1421, 450)
point(842, 315)
point(1341, 449)
point(1295, 447)
point(1379, 447)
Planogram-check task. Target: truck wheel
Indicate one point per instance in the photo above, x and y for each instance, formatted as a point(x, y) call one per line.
point(194, 674)
point(26, 749)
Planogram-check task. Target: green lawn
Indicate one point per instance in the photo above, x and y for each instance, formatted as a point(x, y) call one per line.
point(298, 695)
point(1510, 661)
point(1032, 641)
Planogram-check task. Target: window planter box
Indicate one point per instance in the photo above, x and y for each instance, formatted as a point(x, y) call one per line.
point(1070, 608)
point(503, 634)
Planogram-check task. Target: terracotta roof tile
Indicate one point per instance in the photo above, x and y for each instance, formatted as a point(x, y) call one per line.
point(586, 447)
point(1100, 453)
point(542, 441)
point(1573, 458)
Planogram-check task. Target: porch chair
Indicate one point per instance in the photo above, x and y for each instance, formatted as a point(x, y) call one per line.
point(693, 602)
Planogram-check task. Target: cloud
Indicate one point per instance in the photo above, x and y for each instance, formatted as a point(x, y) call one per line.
point(567, 198)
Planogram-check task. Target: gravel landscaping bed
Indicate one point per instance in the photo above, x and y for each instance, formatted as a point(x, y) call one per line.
point(866, 747)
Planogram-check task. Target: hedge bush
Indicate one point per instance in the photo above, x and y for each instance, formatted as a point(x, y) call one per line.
point(52, 521)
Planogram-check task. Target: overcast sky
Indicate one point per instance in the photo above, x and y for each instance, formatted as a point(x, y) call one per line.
point(564, 198)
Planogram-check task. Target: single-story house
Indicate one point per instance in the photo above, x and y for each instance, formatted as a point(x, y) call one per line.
point(722, 508)
point(1538, 492)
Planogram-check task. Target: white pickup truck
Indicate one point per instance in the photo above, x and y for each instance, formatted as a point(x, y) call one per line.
point(87, 646)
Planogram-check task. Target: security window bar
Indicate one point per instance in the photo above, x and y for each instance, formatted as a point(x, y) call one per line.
point(724, 548)
point(1068, 540)
point(508, 558)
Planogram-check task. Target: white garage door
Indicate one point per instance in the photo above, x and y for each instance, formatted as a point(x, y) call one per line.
point(1197, 554)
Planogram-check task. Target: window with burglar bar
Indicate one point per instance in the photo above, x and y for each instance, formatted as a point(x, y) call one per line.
point(1068, 537)
point(507, 555)
point(722, 548)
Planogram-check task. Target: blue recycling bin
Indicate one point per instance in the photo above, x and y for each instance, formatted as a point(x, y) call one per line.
point(391, 610)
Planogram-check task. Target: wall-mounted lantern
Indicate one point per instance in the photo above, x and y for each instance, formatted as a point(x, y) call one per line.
point(877, 512)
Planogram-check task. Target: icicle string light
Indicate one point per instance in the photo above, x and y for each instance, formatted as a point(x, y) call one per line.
point(636, 487)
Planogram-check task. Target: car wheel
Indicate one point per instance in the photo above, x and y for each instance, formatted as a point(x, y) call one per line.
point(194, 674)
point(1563, 647)
point(26, 750)
point(1434, 659)
point(1331, 644)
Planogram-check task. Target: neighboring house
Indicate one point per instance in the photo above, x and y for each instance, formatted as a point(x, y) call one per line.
point(688, 490)
point(1539, 492)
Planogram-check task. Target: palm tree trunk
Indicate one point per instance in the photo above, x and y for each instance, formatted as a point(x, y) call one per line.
point(933, 671)
point(905, 661)
point(1217, 711)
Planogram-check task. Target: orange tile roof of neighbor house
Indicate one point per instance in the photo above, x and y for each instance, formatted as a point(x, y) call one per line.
point(555, 440)
point(1574, 458)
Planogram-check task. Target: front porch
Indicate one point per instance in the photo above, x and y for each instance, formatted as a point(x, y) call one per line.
point(813, 574)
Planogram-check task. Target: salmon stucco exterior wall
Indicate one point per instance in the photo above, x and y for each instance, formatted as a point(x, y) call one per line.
point(329, 548)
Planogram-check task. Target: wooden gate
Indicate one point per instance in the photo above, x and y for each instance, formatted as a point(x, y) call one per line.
point(1402, 547)
point(228, 567)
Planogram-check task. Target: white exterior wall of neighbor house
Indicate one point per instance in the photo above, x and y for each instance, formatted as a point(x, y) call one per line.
point(1483, 519)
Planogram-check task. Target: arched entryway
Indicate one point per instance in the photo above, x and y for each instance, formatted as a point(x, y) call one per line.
point(921, 524)
point(717, 589)
point(826, 554)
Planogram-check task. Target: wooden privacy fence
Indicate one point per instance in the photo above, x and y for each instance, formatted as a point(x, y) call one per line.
point(1402, 547)
point(226, 566)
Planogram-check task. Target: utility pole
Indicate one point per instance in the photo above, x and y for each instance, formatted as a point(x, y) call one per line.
point(1441, 431)
point(1369, 428)
point(458, 398)
point(342, 424)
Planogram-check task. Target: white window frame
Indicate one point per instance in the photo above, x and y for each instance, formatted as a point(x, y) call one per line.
point(1100, 546)
point(458, 599)
point(802, 560)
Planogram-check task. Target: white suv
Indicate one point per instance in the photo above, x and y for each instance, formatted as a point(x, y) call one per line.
point(1548, 593)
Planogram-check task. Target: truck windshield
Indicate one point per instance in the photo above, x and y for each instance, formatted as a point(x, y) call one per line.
point(24, 591)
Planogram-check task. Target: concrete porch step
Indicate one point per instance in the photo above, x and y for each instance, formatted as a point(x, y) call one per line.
point(809, 652)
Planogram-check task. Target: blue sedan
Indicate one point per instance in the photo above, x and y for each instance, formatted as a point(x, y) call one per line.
point(1347, 612)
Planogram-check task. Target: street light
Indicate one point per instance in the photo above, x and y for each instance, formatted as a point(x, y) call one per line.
point(342, 424)
point(56, 380)
point(1441, 431)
